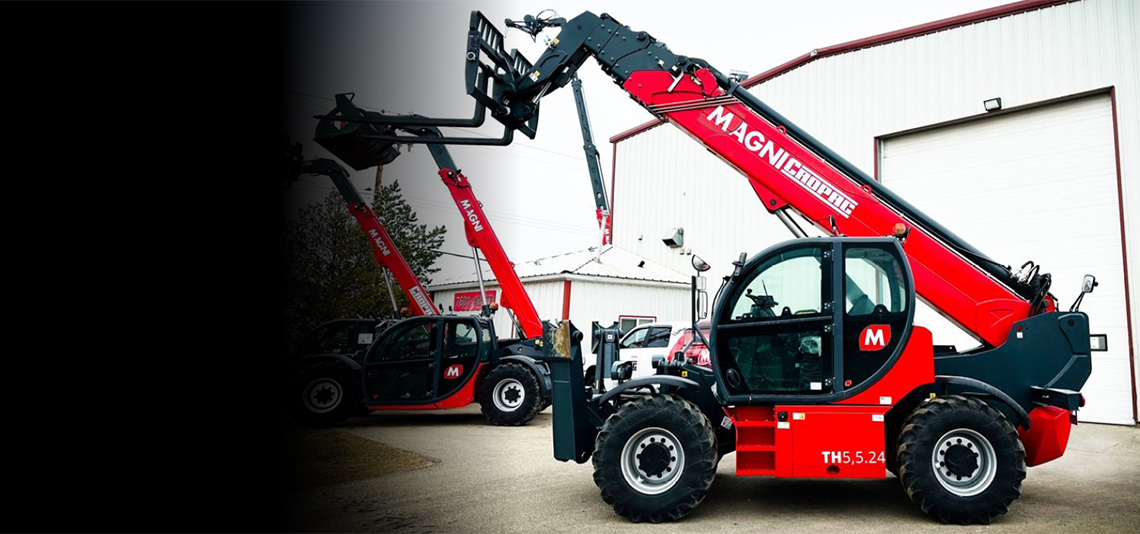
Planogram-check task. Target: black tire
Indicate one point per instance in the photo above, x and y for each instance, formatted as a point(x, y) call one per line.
point(323, 394)
point(637, 427)
point(981, 459)
point(510, 395)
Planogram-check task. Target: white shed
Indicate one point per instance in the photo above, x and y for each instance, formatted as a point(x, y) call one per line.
point(584, 286)
point(1048, 171)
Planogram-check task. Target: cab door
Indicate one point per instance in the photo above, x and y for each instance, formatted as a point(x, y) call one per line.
point(399, 366)
point(425, 359)
point(775, 325)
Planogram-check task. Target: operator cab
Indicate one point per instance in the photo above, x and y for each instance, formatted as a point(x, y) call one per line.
point(426, 359)
point(812, 320)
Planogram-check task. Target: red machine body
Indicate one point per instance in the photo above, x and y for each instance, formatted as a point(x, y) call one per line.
point(799, 440)
point(1048, 434)
point(481, 236)
point(388, 256)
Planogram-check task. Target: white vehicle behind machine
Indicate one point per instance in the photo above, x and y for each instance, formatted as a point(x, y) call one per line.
point(649, 341)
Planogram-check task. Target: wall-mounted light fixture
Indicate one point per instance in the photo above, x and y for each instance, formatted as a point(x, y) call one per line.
point(992, 104)
point(675, 238)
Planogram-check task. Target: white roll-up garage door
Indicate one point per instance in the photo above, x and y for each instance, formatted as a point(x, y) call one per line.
point(1041, 185)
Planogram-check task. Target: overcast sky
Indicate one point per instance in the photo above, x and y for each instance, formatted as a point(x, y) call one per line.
point(408, 57)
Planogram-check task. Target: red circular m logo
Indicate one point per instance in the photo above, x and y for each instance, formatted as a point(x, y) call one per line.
point(875, 337)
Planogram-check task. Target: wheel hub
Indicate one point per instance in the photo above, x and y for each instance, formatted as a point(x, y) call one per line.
point(508, 395)
point(964, 462)
point(322, 395)
point(652, 460)
point(961, 460)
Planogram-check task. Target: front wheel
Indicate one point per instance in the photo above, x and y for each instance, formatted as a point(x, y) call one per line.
point(655, 459)
point(510, 395)
point(960, 460)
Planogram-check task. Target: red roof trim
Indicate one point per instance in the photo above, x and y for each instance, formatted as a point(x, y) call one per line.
point(874, 40)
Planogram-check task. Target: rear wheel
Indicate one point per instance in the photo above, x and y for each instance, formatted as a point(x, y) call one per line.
point(655, 459)
point(510, 395)
point(960, 460)
point(323, 394)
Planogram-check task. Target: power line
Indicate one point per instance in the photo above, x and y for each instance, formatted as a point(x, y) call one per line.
point(458, 255)
point(528, 224)
point(316, 105)
point(495, 213)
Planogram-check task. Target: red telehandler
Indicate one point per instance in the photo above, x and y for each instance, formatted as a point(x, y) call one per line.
point(383, 248)
point(352, 336)
point(432, 361)
point(817, 368)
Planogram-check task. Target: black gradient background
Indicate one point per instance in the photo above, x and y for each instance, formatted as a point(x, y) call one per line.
point(142, 161)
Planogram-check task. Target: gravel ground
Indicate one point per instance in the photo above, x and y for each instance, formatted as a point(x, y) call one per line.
point(495, 479)
point(321, 458)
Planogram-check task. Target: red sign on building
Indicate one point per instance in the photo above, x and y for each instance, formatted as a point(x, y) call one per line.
point(470, 301)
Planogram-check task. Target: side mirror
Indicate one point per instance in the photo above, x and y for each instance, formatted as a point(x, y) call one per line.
point(1089, 283)
point(702, 304)
point(700, 264)
point(1086, 287)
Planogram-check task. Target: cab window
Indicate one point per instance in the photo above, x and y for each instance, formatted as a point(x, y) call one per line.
point(874, 281)
point(330, 338)
point(787, 285)
point(459, 340)
point(875, 309)
point(413, 342)
point(774, 339)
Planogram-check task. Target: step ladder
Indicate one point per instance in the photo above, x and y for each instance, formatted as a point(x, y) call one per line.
point(755, 441)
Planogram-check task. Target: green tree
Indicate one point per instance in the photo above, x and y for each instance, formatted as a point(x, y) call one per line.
point(330, 270)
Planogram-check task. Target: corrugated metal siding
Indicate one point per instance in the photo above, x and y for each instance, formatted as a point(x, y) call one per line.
point(664, 179)
point(603, 303)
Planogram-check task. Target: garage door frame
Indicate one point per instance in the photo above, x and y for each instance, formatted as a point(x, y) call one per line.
point(1110, 91)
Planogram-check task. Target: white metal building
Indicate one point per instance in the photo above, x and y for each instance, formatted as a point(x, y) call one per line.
point(1052, 176)
point(613, 286)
